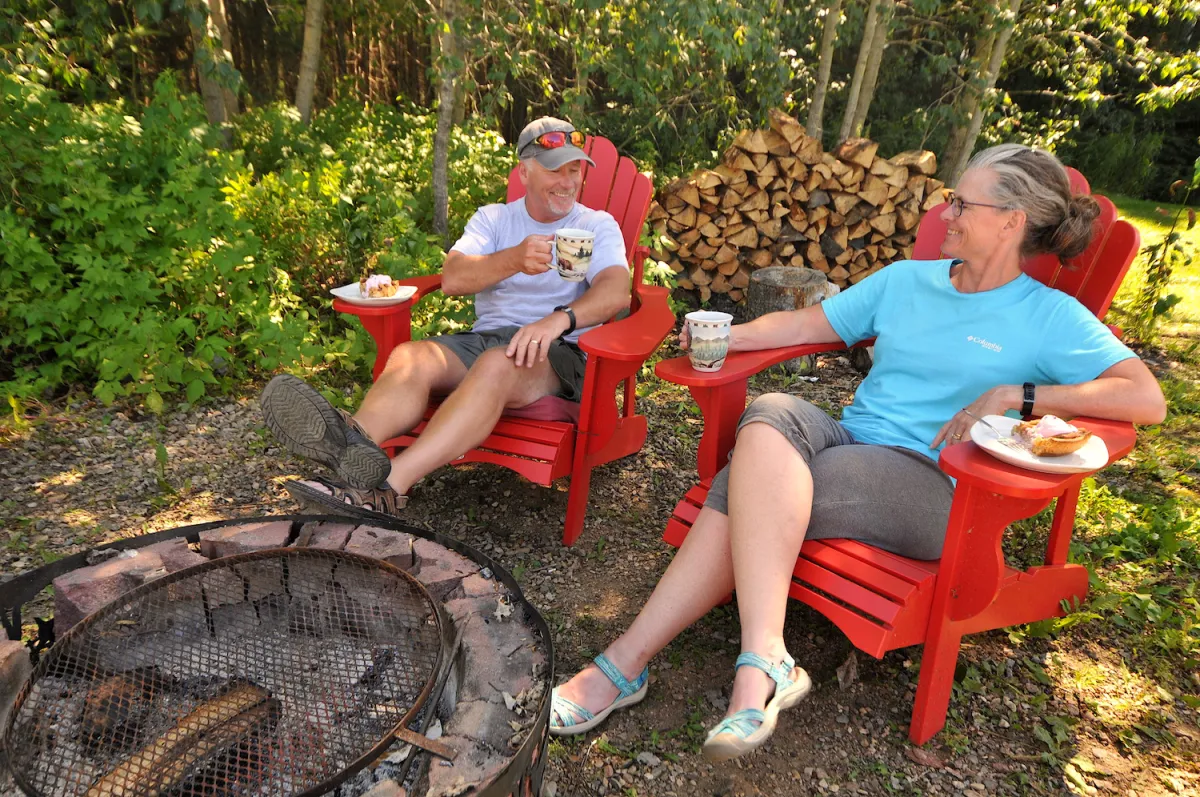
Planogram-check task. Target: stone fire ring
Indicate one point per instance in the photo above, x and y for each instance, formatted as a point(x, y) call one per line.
point(499, 691)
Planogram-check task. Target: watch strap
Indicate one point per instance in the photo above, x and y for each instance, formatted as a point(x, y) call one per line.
point(570, 315)
point(1027, 394)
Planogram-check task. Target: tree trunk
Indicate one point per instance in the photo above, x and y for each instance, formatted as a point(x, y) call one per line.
point(972, 107)
point(833, 17)
point(778, 288)
point(883, 24)
point(449, 62)
point(310, 58)
point(199, 21)
point(968, 97)
point(860, 68)
point(219, 29)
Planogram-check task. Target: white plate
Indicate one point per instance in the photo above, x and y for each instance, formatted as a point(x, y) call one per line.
point(350, 293)
point(1092, 456)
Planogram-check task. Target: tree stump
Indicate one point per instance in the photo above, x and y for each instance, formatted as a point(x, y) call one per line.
point(787, 288)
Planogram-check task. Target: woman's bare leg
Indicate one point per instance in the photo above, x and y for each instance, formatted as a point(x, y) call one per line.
point(770, 502)
point(698, 578)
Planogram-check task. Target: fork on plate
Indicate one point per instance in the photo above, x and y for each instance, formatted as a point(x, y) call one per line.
point(1003, 439)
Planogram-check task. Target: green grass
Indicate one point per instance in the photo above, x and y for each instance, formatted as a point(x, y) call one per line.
point(1144, 213)
point(1185, 282)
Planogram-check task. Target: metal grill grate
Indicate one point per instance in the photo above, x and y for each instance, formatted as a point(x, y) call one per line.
point(274, 673)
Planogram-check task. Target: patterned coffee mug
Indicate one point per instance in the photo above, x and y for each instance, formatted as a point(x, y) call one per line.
point(709, 335)
point(573, 253)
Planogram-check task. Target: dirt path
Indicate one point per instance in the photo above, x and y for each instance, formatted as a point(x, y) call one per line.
point(84, 474)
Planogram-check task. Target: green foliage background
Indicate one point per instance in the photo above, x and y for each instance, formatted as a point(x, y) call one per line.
point(139, 259)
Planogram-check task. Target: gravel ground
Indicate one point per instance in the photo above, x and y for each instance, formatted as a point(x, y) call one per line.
point(84, 474)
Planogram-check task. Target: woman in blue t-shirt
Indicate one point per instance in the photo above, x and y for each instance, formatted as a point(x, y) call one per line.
point(970, 331)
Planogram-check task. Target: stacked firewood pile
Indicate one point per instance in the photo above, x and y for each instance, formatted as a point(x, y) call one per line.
point(777, 199)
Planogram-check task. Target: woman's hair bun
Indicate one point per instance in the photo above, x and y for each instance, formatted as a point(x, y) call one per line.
point(1074, 233)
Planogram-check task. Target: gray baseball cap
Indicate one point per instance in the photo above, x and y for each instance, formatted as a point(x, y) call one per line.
point(549, 157)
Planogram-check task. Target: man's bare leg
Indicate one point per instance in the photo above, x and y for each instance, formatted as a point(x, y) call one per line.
point(469, 414)
point(397, 401)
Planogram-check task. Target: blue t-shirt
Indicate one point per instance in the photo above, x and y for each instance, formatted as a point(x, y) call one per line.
point(939, 349)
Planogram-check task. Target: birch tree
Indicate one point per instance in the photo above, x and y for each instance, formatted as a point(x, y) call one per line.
point(816, 110)
point(214, 63)
point(973, 102)
point(860, 68)
point(310, 58)
point(449, 64)
point(883, 24)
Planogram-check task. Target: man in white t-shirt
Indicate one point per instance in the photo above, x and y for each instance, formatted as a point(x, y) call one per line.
point(521, 348)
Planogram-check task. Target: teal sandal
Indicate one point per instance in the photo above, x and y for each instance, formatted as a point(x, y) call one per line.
point(745, 730)
point(568, 718)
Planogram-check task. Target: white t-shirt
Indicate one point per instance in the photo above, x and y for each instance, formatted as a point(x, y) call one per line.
point(524, 298)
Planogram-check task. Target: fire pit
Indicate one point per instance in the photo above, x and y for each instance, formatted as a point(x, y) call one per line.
point(324, 667)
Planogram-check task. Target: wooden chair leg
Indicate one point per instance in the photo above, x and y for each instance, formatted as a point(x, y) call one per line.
point(577, 498)
point(934, 686)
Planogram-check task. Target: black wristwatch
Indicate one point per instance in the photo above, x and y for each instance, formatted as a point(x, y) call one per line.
point(1027, 399)
point(571, 315)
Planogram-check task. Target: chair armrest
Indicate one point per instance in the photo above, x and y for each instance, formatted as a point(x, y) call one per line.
point(968, 463)
point(738, 365)
point(390, 325)
point(635, 337)
point(424, 285)
point(990, 496)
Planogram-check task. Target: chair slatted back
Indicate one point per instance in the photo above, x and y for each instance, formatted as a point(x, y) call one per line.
point(613, 185)
point(1092, 277)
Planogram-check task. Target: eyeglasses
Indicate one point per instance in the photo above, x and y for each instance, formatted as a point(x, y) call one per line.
point(558, 138)
point(957, 204)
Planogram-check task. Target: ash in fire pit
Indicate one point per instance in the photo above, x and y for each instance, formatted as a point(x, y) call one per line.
point(327, 667)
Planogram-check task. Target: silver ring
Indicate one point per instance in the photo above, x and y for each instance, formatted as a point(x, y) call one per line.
point(534, 340)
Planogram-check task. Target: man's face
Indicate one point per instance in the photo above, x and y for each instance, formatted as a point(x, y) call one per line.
point(550, 195)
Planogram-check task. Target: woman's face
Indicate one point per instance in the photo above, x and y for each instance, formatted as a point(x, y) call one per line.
point(978, 232)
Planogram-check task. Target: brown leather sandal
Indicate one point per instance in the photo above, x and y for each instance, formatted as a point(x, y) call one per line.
point(369, 503)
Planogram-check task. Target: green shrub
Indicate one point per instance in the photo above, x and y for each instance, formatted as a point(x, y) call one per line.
point(141, 260)
point(351, 194)
point(1122, 161)
point(123, 268)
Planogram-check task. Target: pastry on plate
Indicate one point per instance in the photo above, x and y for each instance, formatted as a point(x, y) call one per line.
point(1050, 436)
point(378, 286)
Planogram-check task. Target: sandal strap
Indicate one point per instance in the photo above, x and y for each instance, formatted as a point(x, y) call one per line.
point(618, 678)
point(563, 712)
point(778, 672)
point(384, 500)
point(353, 424)
point(741, 723)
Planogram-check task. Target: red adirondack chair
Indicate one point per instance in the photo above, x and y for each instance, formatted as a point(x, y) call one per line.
point(552, 438)
point(882, 601)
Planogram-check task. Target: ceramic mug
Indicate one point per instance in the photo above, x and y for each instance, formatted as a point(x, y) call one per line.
point(709, 335)
point(573, 253)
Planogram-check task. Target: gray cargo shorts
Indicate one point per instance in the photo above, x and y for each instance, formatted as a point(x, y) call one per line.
point(891, 497)
point(568, 360)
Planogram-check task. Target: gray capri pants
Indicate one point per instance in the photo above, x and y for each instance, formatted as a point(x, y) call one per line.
point(891, 497)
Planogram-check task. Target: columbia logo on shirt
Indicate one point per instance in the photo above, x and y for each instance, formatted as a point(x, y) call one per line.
point(987, 344)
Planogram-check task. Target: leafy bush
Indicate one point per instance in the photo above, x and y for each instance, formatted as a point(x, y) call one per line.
point(1121, 161)
point(141, 260)
point(351, 194)
point(122, 266)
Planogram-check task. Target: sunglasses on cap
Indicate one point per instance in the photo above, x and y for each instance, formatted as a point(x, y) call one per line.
point(558, 138)
point(957, 204)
